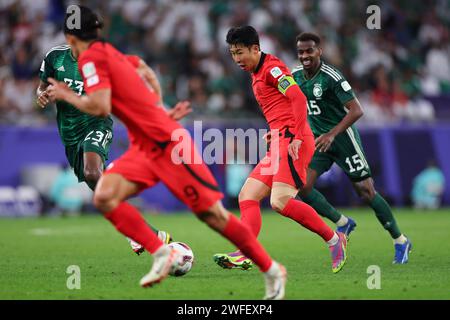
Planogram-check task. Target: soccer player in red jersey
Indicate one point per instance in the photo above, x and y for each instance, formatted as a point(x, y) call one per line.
point(292, 147)
point(113, 86)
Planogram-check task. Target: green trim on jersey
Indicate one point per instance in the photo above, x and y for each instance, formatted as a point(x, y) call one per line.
point(73, 125)
point(327, 92)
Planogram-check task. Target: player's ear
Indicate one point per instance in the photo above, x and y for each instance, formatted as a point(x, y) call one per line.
point(320, 51)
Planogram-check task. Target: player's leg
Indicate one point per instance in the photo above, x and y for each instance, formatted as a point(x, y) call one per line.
point(252, 192)
point(289, 179)
point(321, 163)
point(225, 223)
point(125, 177)
point(95, 149)
point(366, 190)
point(250, 196)
point(352, 160)
point(109, 198)
point(194, 184)
point(92, 168)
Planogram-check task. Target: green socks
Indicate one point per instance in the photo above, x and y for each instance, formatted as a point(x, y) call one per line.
point(316, 200)
point(385, 216)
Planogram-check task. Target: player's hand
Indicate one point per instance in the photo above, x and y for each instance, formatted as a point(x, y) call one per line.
point(43, 99)
point(181, 109)
point(267, 137)
point(323, 142)
point(58, 90)
point(293, 148)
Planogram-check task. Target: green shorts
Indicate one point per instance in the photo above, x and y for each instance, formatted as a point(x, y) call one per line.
point(96, 140)
point(348, 153)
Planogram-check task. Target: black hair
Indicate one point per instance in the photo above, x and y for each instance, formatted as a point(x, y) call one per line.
point(88, 25)
point(245, 35)
point(308, 36)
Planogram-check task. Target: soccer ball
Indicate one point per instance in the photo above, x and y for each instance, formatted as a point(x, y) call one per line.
point(186, 261)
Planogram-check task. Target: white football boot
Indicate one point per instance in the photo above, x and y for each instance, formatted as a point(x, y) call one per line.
point(164, 259)
point(275, 282)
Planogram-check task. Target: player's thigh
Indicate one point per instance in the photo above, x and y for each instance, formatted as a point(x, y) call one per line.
point(131, 173)
point(281, 194)
point(254, 189)
point(311, 179)
point(112, 189)
point(321, 162)
point(349, 155)
point(294, 172)
point(96, 141)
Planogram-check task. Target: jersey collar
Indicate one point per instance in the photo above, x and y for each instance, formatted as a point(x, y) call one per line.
point(260, 63)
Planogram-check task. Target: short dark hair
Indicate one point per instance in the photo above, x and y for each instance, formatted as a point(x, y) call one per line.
point(89, 25)
point(245, 35)
point(308, 36)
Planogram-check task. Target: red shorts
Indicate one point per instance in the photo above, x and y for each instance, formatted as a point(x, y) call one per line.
point(285, 170)
point(193, 184)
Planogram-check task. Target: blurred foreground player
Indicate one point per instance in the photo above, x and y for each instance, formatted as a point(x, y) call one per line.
point(291, 149)
point(332, 111)
point(86, 138)
point(113, 86)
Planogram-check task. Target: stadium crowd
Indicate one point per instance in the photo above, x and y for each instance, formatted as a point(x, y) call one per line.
point(392, 69)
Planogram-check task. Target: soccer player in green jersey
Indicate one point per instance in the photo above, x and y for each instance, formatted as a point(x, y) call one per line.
point(87, 138)
point(332, 111)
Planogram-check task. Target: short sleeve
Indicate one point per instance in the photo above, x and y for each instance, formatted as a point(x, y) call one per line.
point(95, 71)
point(134, 60)
point(279, 76)
point(343, 91)
point(46, 70)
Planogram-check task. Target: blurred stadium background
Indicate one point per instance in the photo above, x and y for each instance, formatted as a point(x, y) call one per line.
point(401, 74)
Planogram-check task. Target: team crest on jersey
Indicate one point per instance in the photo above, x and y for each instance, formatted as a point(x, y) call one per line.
point(317, 90)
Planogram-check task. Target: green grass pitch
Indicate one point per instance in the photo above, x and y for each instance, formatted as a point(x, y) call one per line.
point(35, 255)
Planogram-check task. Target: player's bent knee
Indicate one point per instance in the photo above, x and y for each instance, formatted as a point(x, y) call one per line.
point(105, 201)
point(92, 175)
point(367, 194)
point(278, 204)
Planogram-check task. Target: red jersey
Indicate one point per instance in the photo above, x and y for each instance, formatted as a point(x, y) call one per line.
point(102, 66)
point(276, 107)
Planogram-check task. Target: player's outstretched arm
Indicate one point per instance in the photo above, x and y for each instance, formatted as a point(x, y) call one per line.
point(97, 103)
point(323, 142)
point(42, 95)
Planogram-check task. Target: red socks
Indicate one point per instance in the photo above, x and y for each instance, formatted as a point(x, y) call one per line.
point(239, 234)
point(307, 217)
point(130, 223)
point(251, 215)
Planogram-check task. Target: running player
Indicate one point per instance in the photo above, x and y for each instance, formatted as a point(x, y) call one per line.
point(332, 111)
point(292, 147)
point(113, 86)
point(86, 138)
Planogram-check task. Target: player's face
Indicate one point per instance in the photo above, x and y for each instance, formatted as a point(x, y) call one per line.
point(245, 57)
point(308, 54)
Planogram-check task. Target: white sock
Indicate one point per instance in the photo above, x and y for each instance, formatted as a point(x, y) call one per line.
point(333, 240)
point(273, 270)
point(343, 220)
point(161, 251)
point(400, 240)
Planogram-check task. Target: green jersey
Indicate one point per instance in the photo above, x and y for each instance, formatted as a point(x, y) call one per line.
point(73, 124)
point(326, 92)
